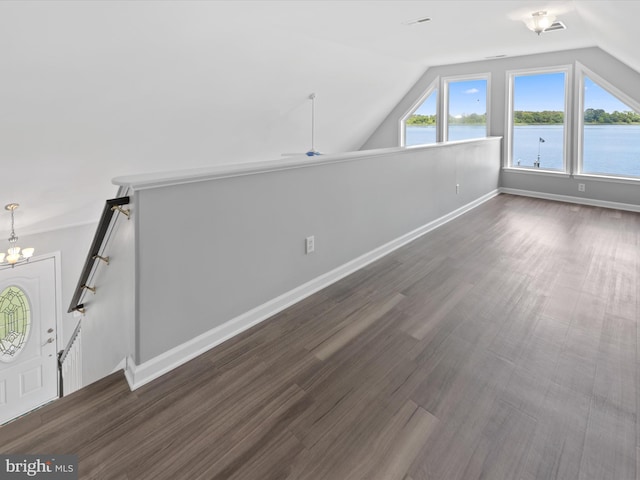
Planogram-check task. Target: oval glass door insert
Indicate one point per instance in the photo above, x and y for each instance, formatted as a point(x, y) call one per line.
point(15, 323)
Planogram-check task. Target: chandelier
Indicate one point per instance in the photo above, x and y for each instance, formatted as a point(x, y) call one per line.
point(540, 21)
point(14, 255)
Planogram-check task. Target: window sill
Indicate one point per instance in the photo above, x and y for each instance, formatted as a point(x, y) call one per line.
point(577, 176)
point(532, 171)
point(607, 178)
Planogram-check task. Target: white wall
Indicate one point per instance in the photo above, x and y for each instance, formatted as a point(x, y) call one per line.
point(73, 244)
point(615, 72)
point(108, 324)
point(209, 251)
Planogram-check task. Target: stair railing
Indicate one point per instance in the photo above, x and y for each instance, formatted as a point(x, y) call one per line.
point(111, 207)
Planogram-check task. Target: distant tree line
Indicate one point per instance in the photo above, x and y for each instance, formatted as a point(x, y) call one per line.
point(427, 120)
point(471, 119)
point(548, 117)
point(596, 116)
point(538, 118)
point(421, 120)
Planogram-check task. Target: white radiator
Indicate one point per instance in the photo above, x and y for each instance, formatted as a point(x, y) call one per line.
point(71, 364)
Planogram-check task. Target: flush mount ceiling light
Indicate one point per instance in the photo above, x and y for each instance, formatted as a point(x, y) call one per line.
point(14, 256)
point(540, 21)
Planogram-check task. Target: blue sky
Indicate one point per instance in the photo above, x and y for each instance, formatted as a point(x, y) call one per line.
point(536, 93)
point(428, 107)
point(597, 97)
point(532, 93)
point(469, 96)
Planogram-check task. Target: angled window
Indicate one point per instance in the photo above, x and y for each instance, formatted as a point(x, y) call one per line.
point(419, 127)
point(537, 135)
point(610, 133)
point(466, 108)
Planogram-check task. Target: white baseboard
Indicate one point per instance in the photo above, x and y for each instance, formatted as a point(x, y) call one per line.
point(122, 365)
point(569, 199)
point(138, 375)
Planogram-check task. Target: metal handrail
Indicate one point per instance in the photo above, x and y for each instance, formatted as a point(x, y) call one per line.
point(103, 226)
point(62, 355)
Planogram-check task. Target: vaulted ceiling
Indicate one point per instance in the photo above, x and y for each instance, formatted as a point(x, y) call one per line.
point(98, 89)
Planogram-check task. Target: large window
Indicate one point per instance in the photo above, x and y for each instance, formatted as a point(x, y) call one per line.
point(466, 108)
point(420, 126)
point(538, 120)
point(610, 133)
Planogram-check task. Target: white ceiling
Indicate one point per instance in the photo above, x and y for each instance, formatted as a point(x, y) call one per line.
point(98, 89)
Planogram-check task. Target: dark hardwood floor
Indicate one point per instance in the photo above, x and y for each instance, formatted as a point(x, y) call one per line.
point(500, 346)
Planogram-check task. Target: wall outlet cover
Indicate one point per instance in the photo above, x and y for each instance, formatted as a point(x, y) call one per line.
point(310, 244)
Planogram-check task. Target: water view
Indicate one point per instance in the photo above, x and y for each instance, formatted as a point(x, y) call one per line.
point(608, 149)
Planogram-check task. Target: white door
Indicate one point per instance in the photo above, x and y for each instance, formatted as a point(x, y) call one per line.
point(28, 362)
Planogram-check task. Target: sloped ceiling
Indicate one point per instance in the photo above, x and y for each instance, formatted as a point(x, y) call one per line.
point(98, 89)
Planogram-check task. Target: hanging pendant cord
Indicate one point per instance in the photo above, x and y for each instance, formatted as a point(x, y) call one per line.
point(313, 120)
point(13, 237)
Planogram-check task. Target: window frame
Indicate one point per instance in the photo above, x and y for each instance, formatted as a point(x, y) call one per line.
point(581, 72)
point(444, 118)
point(568, 114)
point(434, 86)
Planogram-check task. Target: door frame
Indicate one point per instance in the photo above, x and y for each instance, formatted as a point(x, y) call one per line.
point(57, 267)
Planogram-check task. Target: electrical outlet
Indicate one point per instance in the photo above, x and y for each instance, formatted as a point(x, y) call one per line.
point(581, 187)
point(309, 244)
point(457, 188)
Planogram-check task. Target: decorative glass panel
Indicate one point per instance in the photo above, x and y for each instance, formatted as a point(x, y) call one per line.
point(15, 323)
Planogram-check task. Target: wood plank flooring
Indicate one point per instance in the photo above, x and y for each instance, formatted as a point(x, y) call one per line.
point(501, 346)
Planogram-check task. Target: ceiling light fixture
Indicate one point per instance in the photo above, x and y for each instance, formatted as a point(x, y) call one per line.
point(540, 21)
point(14, 256)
